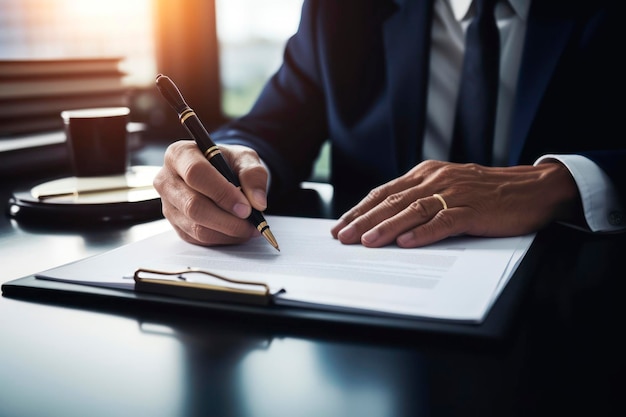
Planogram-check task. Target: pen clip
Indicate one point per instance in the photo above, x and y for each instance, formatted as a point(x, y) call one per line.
point(200, 290)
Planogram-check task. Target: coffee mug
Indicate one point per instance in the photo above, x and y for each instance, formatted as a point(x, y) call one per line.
point(97, 140)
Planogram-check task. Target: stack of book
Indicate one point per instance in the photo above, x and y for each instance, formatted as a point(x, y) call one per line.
point(34, 92)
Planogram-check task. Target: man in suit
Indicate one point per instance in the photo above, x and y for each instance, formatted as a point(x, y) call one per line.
point(380, 80)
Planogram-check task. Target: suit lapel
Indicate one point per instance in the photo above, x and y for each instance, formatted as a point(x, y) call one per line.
point(407, 43)
point(546, 37)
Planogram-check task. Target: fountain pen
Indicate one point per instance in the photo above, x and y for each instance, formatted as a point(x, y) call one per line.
point(198, 132)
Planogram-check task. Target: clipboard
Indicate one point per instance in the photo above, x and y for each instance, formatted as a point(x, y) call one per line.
point(257, 308)
point(253, 293)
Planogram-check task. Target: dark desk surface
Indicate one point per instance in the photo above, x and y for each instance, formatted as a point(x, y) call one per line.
point(565, 354)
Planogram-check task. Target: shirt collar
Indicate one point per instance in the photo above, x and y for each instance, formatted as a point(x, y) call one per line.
point(461, 8)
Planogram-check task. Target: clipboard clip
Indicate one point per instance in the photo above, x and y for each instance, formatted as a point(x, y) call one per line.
point(246, 292)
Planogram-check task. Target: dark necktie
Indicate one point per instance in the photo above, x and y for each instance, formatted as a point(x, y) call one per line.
point(476, 106)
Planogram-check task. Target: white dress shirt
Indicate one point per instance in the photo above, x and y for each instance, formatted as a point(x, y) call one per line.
point(450, 20)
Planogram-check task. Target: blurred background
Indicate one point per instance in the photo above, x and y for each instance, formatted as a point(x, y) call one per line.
point(219, 52)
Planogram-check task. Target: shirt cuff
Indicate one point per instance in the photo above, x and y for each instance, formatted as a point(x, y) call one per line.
point(601, 206)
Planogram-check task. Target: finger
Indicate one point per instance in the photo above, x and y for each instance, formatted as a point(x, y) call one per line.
point(253, 175)
point(208, 226)
point(212, 238)
point(382, 193)
point(375, 197)
point(420, 211)
point(444, 224)
point(192, 211)
point(366, 204)
point(388, 208)
point(185, 160)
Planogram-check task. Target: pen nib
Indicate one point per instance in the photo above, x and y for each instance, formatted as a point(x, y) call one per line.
point(267, 233)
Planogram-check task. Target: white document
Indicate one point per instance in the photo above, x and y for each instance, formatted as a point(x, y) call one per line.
point(456, 279)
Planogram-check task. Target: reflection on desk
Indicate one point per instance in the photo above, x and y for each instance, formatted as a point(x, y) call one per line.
point(565, 355)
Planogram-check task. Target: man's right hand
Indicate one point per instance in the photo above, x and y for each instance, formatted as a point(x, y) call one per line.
point(203, 207)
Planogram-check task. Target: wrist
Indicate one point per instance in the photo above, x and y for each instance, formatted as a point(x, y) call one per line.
point(565, 197)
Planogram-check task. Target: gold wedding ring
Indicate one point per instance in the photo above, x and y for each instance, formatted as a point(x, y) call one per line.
point(440, 198)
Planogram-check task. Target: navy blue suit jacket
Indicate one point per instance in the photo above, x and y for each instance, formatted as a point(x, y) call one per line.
point(356, 73)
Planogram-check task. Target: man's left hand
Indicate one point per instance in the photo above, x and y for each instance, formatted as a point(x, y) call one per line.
point(481, 201)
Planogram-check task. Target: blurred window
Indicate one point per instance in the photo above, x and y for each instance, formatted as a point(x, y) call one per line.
point(42, 29)
point(252, 36)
